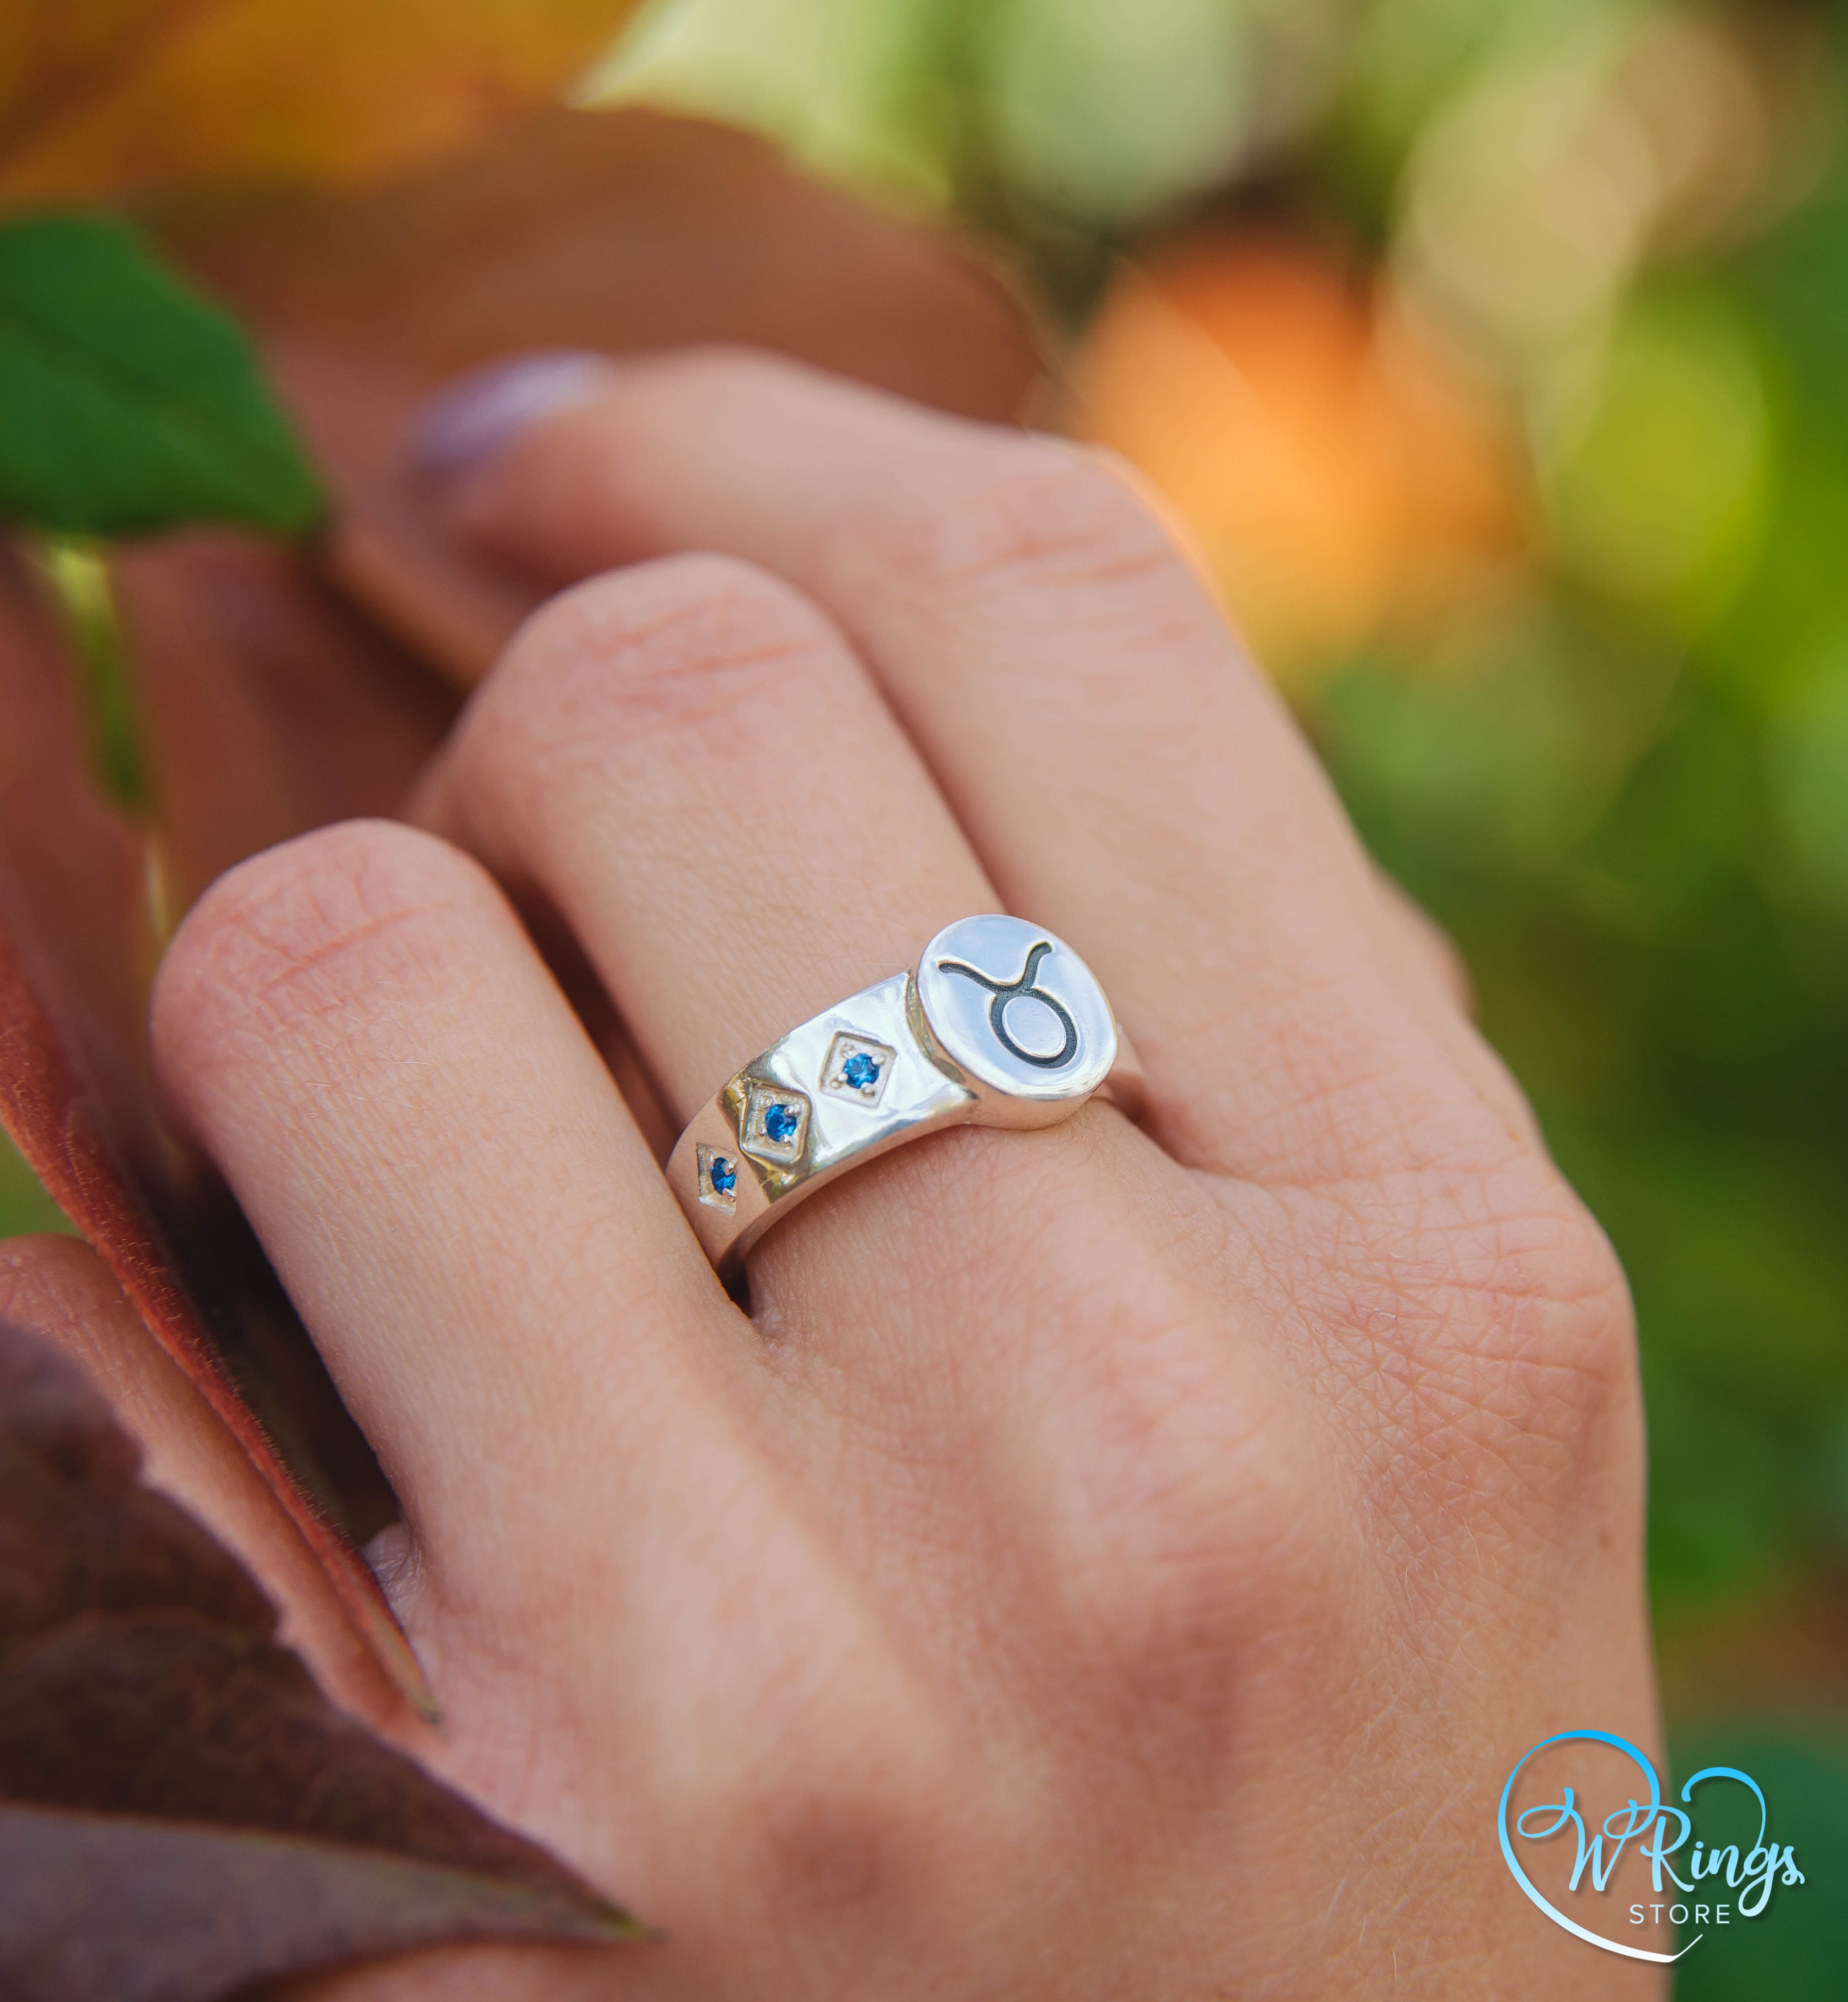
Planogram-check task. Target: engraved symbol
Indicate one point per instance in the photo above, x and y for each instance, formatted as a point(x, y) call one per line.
point(1022, 989)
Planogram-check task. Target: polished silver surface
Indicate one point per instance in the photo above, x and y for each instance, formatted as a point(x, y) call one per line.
point(1001, 1023)
point(1014, 1011)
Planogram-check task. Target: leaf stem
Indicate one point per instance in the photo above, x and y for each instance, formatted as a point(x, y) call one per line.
point(77, 572)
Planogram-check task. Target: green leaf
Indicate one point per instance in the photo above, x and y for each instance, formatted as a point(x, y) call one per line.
point(128, 402)
point(24, 1205)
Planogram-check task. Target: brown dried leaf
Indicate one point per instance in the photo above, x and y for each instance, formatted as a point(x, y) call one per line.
point(272, 705)
point(181, 1810)
point(622, 231)
point(614, 230)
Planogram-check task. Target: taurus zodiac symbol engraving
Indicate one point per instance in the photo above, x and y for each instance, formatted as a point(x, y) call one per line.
point(1022, 989)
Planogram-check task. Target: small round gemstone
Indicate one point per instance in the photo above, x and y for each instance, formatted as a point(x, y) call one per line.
point(860, 1071)
point(722, 1172)
point(780, 1122)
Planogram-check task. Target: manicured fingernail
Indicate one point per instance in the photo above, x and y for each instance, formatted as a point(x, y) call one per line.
point(473, 417)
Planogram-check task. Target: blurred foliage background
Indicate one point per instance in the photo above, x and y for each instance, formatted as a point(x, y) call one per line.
point(1490, 353)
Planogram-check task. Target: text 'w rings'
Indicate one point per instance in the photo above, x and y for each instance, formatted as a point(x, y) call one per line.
point(1000, 1023)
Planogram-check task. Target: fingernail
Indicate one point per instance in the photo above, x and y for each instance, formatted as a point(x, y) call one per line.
point(391, 1555)
point(474, 416)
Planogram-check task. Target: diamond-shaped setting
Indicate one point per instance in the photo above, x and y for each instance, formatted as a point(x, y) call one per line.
point(718, 1175)
point(857, 1069)
point(775, 1124)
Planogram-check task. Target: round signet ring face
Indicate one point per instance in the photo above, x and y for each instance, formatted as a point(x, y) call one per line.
point(1018, 1012)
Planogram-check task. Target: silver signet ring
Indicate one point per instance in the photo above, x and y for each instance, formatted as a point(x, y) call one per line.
point(1000, 1023)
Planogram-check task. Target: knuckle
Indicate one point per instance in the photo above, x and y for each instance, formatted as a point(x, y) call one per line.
point(677, 645)
point(828, 1833)
point(1186, 1510)
point(1205, 1533)
point(847, 1758)
point(1496, 1333)
point(1034, 513)
point(1563, 1367)
point(1540, 1298)
point(294, 936)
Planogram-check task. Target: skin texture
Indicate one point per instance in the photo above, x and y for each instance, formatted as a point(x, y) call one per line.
point(1103, 1562)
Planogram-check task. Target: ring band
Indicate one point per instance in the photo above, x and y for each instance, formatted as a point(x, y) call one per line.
point(1000, 1023)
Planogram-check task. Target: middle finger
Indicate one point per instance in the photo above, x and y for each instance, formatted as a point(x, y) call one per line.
point(1122, 773)
point(687, 763)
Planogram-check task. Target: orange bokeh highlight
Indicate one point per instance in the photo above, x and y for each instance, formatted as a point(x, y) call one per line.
point(1338, 466)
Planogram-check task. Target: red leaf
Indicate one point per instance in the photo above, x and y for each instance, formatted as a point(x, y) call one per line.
point(97, 1910)
point(60, 1292)
point(181, 1810)
point(77, 1098)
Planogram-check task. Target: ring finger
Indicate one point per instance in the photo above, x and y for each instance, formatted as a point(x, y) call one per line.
point(687, 765)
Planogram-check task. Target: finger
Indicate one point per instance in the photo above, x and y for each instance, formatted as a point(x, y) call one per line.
point(510, 1300)
point(448, 1183)
point(687, 765)
point(686, 762)
point(1123, 774)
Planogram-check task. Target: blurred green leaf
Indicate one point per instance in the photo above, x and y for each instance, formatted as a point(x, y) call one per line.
point(1721, 1494)
point(1735, 1252)
point(1686, 824)
point(1831, 1484)
point(1600, 837)
point(1410, 56)
point(131, 403)
point(24, 1205)
point(1797, 1950)
point(1106, 113)
point(1506, 750)
point(1807, 751)
point(1656, 489)
point(1796, 279)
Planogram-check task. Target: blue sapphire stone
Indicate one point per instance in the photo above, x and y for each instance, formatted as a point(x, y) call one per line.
point(860, 1071)
point(780, 1122)
point(723, 1173)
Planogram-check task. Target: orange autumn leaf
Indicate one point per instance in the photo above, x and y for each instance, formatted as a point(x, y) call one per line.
point(107, 97)
point(1335, 465)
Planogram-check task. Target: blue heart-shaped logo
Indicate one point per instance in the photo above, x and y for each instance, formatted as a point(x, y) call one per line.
point(1642, 1817)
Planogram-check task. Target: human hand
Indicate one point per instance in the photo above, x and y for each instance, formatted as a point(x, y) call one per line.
point(1104, 1561)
